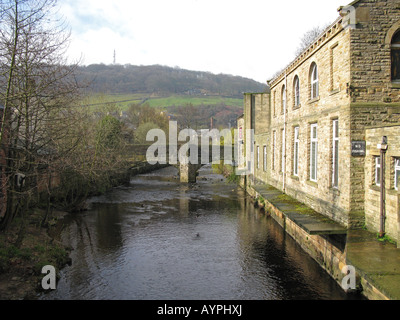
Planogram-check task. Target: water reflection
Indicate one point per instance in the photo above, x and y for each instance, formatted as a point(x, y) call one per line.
point(158, 239)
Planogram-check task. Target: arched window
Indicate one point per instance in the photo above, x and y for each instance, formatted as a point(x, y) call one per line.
point(296, 91)
point(283, 99)
point(314, 81)
point(395, 49)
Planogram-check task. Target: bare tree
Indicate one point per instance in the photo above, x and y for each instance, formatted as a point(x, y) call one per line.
point(308, 38)
point(39, 85)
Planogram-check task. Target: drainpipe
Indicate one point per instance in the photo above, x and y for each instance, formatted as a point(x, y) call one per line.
point(383, 147)
point(284, 134)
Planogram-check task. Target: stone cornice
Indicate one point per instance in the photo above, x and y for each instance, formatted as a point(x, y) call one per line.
point(325, 36)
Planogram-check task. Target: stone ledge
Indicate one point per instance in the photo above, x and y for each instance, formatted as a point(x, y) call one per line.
point(314, 100)
point(309, 220)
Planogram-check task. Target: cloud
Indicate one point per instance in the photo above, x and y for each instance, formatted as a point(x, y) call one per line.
point(251, 38)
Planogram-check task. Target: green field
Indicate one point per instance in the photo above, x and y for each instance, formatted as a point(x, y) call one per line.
point(194, 100)
point(123, 101)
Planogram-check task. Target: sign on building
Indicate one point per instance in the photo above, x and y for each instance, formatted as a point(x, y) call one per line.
point(358, 148)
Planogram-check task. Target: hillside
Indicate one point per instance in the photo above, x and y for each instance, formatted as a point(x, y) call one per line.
point(192, 98)
point(165, 81)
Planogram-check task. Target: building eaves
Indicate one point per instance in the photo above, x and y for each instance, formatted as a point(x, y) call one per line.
point(332, 30)
point(302, 56)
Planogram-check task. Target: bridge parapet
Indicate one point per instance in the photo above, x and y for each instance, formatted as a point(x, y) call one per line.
point(188, 158)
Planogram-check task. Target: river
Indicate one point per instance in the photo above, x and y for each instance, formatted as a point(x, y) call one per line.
point(157, 239)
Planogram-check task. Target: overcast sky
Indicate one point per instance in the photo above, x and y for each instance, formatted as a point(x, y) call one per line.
point(249, 38)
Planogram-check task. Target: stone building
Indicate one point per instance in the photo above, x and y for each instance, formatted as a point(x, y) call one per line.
point(316, 133)
point(240, 157)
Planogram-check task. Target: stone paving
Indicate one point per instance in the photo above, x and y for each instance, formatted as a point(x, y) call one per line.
point(377, 262)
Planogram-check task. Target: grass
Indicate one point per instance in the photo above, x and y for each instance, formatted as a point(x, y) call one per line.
point(123, 101)
point(300, 207)
point(385, 238)
point(33, 254)
point(227, 171)
point(195, 101)
point(21, 264)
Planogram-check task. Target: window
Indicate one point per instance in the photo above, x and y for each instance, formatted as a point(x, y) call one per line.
point(274, 104)
point(314, 81)
point(397, 173)
point(283, 150)
point(378, 171)
point(296, 152)
point(334, 66)
point(253, 112)
point(335, 154)
point(296, 91)
point(314, 153)
point(265, 158)
point(258, 157)
point(283, 106)
point(395, 55)
point(273, 150)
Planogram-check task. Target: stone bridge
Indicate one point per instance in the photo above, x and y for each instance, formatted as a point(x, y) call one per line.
point(187, 158)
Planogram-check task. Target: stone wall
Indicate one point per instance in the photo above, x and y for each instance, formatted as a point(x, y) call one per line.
point(363, 116)
point(241, 154)
point(332, 57)
point(329, 253)
point(377, 22)
point(372, 191)
point(260, 103)
point(261, 136)
point(375, 98)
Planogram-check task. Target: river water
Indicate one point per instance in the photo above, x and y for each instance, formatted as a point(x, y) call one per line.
point(157, 239)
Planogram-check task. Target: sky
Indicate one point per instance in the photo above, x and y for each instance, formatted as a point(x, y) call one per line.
point(249, 38)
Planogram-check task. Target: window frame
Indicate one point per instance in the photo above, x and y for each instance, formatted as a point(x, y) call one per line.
point(283, 151)
point(273, 149)
point(335, 153)
point(377, 171)
point(283, 99)
point(314, 157)
point(397, 174)
point(296, 148)
point(296, 91)
point(395, 51)
point(314, 80)
point(258, 157)
point(265, 159)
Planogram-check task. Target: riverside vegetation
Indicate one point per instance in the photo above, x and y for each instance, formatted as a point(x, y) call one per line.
point(55, 150)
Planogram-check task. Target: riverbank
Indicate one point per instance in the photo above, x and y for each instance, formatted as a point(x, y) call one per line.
point(24, 253)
